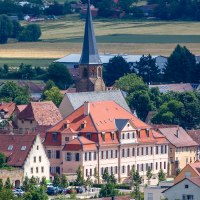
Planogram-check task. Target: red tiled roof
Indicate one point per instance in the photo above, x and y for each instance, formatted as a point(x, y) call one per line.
point(182, 140)
point(195, 180)
point(16, 156)
point(21, 107)
point(80, 143)
point(44, 113)
point(160, 139)
point(8, 108)
point(196, 167)
point(195, 135)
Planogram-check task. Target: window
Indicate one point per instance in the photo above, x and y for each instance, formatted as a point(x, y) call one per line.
point(138, 151)
point(111, 170)
point(31, 122)
point(10, 147)
point(123, 136)
point(149, 196)
point(95, 155)
point(171, 150)
point(34, 159)
point(57, 154)
point(40, 159)
point(186, 186)
point(156, 166)
point(22, 121)
point(147, 150)
point(128, 135)
point(164, 165)
point(69, 156)
point(165, 148)
point(115, 169)
point(142, 151)
point(23, 148)
point(86, 172)
point(36, 169)
point(102, 171)
point(138, 133)
point(111, 153)
point(142, 167)
point(123, 153)
point(147, 132)
point(49, 153)
point(102, 155)
point(42, 169)
point(58, 170)
point(156, 149)
point(147, 166)
point(37, 147)
point(138, 167)
point(133, 135)
point(151, 166)
point(106, 154)
point(77, 157)
point(31, 170)
point(162, 149)
point(151, 150)
point(160, 165)
point(88, 136)
point(112, 135)
point(133, 151)
point(103, 136)
point(90, 156)
point(115, 153)
point(54, 137)
point(188, 197)
point(128, 152)
point(66, 139)
point(123, 169)
point(90, 172)
point(85, 156)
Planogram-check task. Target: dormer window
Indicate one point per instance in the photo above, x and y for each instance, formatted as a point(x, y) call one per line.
point(128, 135)
point(138, 133)
point(147, 132)
point(123, 136)
point(88, 136)
point(10, 147)
point(103, 136)
point(64, 126)
point(112, 135)
point(23, 148)
point(54, 137)
point(83, 124)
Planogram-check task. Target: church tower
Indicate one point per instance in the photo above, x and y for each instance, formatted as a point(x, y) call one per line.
point(90, 65)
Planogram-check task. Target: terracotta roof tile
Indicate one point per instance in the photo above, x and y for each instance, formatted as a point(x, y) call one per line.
point(21, 107)
point(16, 156)
point(8, 109)
point(195, 180)
point(45, 113)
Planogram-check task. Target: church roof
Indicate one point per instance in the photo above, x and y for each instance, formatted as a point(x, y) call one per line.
point(90, 53)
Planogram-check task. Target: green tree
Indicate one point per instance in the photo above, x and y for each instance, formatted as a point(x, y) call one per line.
point(161, 175)
point(43, 182)
point(96, 175)
point(54, 95)
point(26, 185)
point(106, 176)
point(112, 179)
point(180, 65)
point(16, 29)
point(64, 182)
point(49, 84)
point(108, 190)
point(88, 182)
point(148, 69)
point(56, 180)
point(6, 194)
point(135, 180)
point(30, 33)
point(6, 28)
point(1, 184)
point(116, 68)
point(59, 74)
point(79, 178)
point(126, 5)
point(105, 8)
point(2, 160)
point(149, 174)
point(8, 184)
point(38, 193)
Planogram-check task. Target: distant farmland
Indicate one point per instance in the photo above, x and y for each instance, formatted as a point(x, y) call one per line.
point(64, 36)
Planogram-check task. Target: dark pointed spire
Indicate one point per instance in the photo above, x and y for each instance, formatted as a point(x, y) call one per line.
point(90, 53)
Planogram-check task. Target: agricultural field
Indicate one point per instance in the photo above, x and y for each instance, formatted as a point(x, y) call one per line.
point(65, 36)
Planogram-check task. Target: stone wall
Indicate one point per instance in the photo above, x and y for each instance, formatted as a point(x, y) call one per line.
point(16, 176)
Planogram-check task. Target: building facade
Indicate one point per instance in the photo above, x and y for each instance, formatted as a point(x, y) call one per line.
point(100, 135)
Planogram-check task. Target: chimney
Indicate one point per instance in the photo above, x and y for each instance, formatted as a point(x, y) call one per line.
point(177, 132)
point(86, 108)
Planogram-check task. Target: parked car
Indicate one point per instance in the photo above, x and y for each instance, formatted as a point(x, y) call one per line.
point(52, 191)
point(70, 191)
point(18, 192)
point(79, 190)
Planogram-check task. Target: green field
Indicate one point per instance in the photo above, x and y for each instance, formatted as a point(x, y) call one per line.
point(15, 62)
point(65, 36)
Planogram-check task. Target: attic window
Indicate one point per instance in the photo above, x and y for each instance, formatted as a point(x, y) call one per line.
point(103, 136)
point(88, 136)
point(147, 132)
point(23, 148)
point(10, 147)
point(64, 126)
point(54, 137)
point(112, 136)
point(138, 133)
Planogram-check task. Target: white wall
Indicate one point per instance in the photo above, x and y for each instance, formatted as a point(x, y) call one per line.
point(37, 151)
point(177, 191)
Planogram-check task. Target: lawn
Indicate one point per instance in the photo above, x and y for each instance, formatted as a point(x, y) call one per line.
point(64, 36)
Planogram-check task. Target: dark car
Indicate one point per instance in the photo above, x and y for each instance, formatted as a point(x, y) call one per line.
point(79, 190)
point(70, 191)
point(52, 191)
